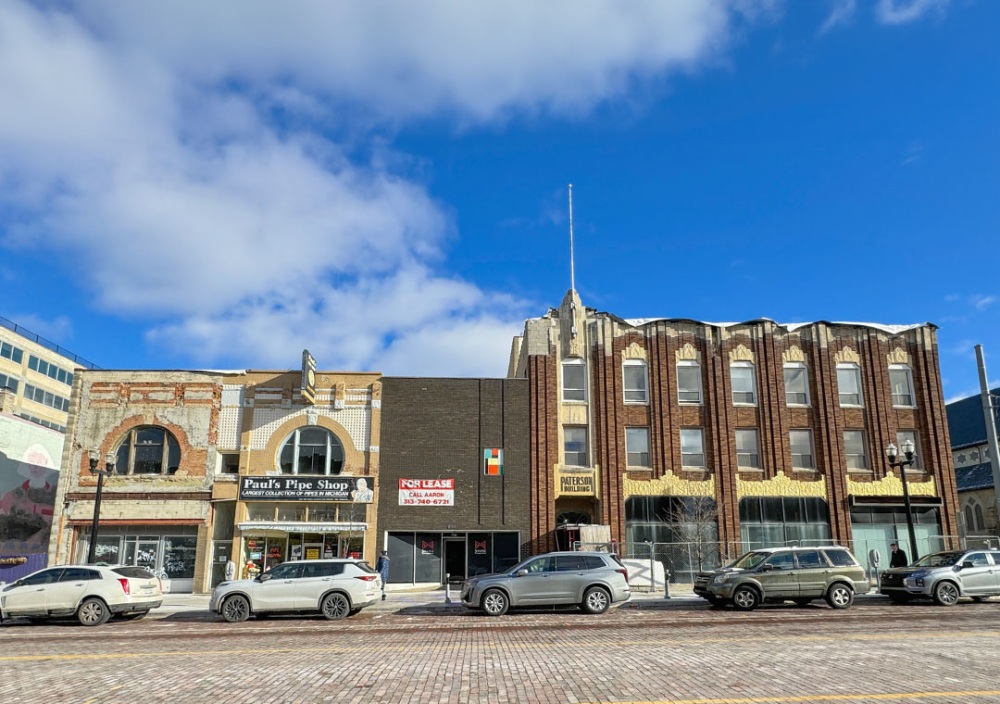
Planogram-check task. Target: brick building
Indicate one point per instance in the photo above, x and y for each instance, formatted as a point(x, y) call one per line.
point(738, 435)
point(454, 476)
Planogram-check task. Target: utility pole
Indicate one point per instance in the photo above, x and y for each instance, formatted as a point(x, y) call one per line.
point(991, 428)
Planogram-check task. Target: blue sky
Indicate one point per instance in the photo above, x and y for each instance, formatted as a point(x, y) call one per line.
point(384, 183)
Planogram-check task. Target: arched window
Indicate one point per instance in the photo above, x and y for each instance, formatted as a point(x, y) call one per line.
point(975, 522)
point(573, 518)
point(148, 449)
point(312, 451)
point(980, 521)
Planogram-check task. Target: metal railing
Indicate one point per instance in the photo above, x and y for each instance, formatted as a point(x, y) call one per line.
point(38, 339)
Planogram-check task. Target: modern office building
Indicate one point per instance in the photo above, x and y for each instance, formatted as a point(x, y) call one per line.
point(694, 434)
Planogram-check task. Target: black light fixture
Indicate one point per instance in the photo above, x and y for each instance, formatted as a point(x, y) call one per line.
point(892, 453)
point(109, 469)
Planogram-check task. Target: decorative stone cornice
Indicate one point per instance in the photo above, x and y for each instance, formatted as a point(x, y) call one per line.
point(898, 356)
point(781, 485)
point(669, 485)
point(687, 353)
point(891, 485)
point(740, 354)
point(846, 356)
point(635, 351)
point(793, 354)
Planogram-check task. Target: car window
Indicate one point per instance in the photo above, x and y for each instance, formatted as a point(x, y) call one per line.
point(322, 569)
point(538, 565)
point(978, 559)
point(939, 559)
point(570, 563)
point(364, 567)
point(134, 572)
point(841, 558)
point(810, 559)
point(781, 561)
point(593, 562)
point(750, 560)
point(996, 557)
point(44, 577)
point(286, 570)
point(74, 574)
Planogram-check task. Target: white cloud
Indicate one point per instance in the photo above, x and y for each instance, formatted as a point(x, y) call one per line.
point(59, 328)
point(139, 141)
point(904, 11)
point(842, 14)
point(981, 302)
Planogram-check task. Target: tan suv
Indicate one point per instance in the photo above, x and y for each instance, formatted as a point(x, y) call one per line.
point(799, 574)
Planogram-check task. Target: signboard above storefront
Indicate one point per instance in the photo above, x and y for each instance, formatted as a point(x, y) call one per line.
point(426, 492)
point(576, 484)
point(307, 488)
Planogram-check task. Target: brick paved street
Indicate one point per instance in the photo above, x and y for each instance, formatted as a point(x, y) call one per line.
point(680, 651)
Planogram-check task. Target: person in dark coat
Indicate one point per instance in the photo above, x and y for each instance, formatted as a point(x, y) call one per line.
point(898, 557)
point(382, 567)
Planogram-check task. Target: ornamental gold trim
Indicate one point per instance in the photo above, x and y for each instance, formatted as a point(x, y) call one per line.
point(891, 485)
point(740, 354)
point(793, 354)
point(687, 353)
point(847, 355)
point(635, 351)
point(780, 485)
point(669, 485)
point(898, 356)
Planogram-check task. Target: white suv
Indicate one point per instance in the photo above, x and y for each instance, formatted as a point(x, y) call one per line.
point(92, 593)
point(335, 588)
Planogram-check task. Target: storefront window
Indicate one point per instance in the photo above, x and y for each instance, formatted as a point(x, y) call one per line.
point(178, 556)
point(108, 549)
point(261, 511)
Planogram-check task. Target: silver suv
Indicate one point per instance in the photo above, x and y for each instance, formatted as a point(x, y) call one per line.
point(945, 577)
point(335, 588)
point(592, 580)
point(797, 574)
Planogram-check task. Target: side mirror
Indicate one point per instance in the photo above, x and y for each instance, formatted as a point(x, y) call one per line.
point(264, 577)
point(966, 565)
point(766, 567)
point(521, 573)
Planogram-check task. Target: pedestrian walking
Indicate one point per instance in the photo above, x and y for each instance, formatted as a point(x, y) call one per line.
point(382, 567)
point(898, 558)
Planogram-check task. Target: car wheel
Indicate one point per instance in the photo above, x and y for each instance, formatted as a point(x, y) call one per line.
point(335, 607)
point(802, 601)
point(839, 596)
point(495, 603)
point(946, 593)
point(93, 612)
point(746, 598)
point(236, 609)
point(596, 600)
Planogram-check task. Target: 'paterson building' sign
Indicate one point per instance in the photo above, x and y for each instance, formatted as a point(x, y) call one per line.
point(306, 488)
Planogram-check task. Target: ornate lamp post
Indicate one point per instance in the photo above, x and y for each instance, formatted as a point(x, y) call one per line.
point(109, 469)
point(892, 453)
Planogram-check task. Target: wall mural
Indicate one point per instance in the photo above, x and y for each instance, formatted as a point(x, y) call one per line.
point(28, 478)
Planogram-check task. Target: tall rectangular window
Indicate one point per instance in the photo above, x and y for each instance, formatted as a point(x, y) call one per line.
point(849, 384)
point(911, 435)
point(747, 449)
point(855, 449)
point(692, 447)
point(744, 383)
point(574, 381)
point(901, 381)
point(637, 447)
point(688, 382)
point(796, 384)
point(635, 379)
point(802, 449)
point(575, 445)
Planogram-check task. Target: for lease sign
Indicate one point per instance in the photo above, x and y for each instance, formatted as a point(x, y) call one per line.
point(426, 492)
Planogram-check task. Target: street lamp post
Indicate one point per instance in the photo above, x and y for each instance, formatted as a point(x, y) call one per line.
point(892, 453)
point(109, 468)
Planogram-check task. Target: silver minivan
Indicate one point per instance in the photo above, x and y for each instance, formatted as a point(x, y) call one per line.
point(592, 580)
point(945, 577)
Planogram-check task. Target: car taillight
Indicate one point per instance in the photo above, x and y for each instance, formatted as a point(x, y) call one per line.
point(367, 577)
point(624, 573)
point(160, 582)
point(124, 582)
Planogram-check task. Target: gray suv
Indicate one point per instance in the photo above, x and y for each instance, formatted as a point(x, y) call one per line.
point(798, 574)
point(592, 580)
point(945, 577)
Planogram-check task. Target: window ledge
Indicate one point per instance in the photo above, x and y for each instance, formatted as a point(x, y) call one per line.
point(634, 403)
point(751, 469)
point(637, 468)
point(805, 470)
point(798, 405)
point(860, 471)
point(745, 405)
point(851, 405)
point(905, 408)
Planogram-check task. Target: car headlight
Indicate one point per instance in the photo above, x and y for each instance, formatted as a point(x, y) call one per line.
point(721, 578)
